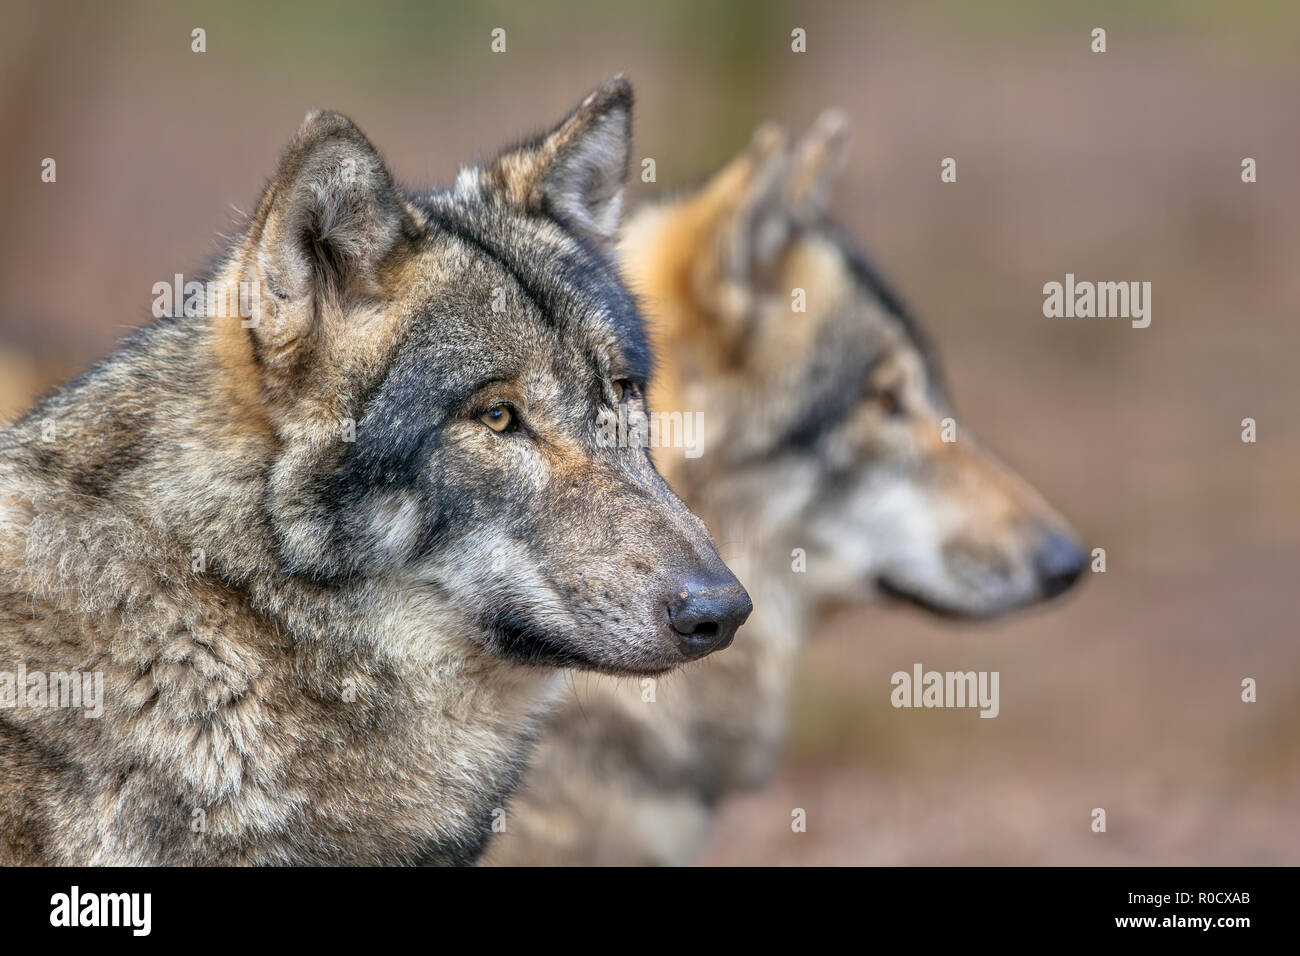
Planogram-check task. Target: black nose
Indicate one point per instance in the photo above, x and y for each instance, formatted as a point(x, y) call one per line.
point(1059, 563)
point(705, 610)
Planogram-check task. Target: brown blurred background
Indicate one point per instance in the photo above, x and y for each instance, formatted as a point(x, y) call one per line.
point(1115, 166)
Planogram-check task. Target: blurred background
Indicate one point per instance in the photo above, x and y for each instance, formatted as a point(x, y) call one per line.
point(1117, 166)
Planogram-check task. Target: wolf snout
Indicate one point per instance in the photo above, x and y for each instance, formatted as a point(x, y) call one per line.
point(705, 611)
point(1058, 563)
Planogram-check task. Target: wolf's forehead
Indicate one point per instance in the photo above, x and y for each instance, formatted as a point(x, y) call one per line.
point(575, 291)
point(873, 288)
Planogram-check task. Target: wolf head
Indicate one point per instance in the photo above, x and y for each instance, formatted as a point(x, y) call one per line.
point(434, 368)
point(827, 429)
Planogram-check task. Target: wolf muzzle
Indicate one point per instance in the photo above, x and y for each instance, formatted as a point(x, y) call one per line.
point(706, 611)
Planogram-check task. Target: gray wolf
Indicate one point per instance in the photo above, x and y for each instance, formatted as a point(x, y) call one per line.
point(825, 469)
point(330, 559)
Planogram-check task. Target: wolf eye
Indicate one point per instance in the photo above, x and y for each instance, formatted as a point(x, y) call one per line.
point(628, 391)
point(888, 401)
point(499, 418)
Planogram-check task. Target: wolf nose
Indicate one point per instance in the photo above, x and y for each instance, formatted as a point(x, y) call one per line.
point(705, 612)
point(1059, 563)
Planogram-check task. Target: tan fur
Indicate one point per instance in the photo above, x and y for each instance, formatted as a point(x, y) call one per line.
point(322, 650)
point(877, 496)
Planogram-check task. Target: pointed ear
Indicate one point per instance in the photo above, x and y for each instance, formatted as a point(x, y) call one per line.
point(745, 226)
point(329, 219)
point(818, 158)
point(577, 172)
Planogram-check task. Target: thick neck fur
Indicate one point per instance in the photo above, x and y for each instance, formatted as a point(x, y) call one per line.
point(249, 717)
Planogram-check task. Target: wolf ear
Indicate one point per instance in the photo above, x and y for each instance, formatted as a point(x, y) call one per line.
point(576, 173)
point(746, 226)
point(328, 220)
point(755, 206)
point(818, 158)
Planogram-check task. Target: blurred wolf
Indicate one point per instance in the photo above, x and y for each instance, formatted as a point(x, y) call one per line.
point(329, 560)
point(824, 451)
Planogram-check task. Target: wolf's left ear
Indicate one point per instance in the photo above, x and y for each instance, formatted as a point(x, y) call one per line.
point(818, 158)
point(576, 174)
point(746, 229)
point(327, 222)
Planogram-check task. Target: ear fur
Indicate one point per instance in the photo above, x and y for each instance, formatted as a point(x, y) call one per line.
point(757, 203)
point(818, 158)
point(576, 174)
point(748, 226)
point(326, 223)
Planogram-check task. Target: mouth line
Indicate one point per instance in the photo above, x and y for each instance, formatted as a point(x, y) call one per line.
point(948, 612)
point(515, 636)
point(623, 670)
point(904, 596)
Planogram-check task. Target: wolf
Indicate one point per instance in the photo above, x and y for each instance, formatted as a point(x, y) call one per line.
point(824, 470)
point(331, 560)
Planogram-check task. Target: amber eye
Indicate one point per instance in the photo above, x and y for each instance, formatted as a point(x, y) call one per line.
point(499, 418)
point(627, 390)
point(888, 401)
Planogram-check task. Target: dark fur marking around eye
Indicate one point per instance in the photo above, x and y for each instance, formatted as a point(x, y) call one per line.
point(832, 399)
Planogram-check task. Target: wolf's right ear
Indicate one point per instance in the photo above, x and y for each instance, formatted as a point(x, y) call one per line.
point(326, 223)
point(576, 173)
